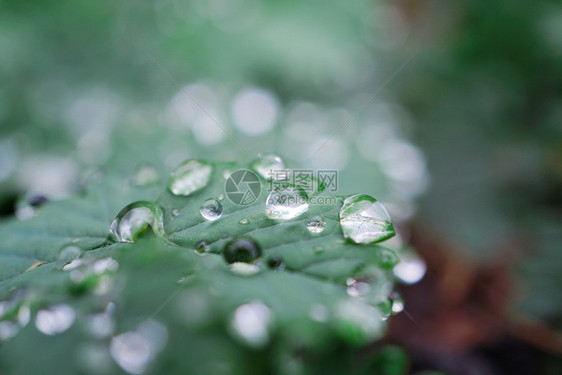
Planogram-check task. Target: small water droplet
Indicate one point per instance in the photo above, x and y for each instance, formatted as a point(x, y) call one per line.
point(244, 269)
point(131, 351)
point(175, 212)
point(270, 167)
point(276, 263)
point(55, 320)
point(286, 203)
point(105, 265)
point(191, 176)
point(134, 219)
point(357, 288)
point(397, 304)
point(410, 269)
point(67, 255)
point(145, 175)
point(241, 249)
point(220, 197)
point(365, 220)
point(251, 323)
point(315, 225)
point(28, 207)
point(211, 209)
point(244, 221)
point(201, 247)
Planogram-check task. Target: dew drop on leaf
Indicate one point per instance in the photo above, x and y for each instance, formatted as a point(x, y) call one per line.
point(211, 209)
point(56, 319)
point(270, 167)
point(244, 221)
point(410, 269)
point(397, 304)
point(201, 247)
point(276, 263)
point(357, 288)
point(241, 249)
point(67, 255)
point(134, 219)
point(315, 225)
point(244, 269)
point(251, 323)
point(364, 220)
point(191, 176)
point(286, 203)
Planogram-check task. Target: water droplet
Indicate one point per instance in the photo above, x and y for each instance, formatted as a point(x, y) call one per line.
point(410, 269)
point(270, 166)
point(105, 265)
point(220, 197)
point(276, 263)
point(357, 288)
point(145, 175)
point(211, 209)
point(131, 351)
point(202, 247)
point(55, 320)
point(397, 303)
point(175, 212)
point(241, 249)
point(244, 221)
point(67, 255)
point(244, 269)
point(365, 220)
point(286, 203)
point(28, 207)
point(251, 323)
point(134, 219)
point(315, 224)
point(191, 176)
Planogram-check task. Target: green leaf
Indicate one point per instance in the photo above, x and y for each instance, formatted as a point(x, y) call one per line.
point(197, 298)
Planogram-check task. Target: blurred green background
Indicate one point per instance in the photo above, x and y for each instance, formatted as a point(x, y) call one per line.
point(448, 112)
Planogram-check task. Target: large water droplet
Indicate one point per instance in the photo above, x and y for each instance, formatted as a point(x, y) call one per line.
point(270, 166)
point(251, 323)
point(55, 320)
point(241, 249)
point(365, 220)
point(189, 177)
point(315, 225)
point(286, 203)
point(211, 209)
point(134, 219)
